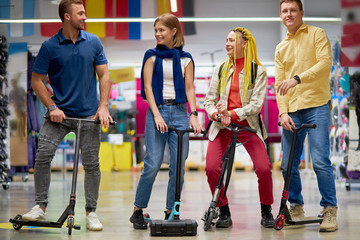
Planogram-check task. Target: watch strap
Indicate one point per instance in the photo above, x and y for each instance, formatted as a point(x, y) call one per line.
point(297, 78)
point(194, 113)
point(52, 107)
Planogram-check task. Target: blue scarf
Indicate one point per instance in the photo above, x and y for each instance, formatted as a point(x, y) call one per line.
point(161, 52)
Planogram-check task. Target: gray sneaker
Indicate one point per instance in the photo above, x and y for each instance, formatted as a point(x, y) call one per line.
point(35, 214)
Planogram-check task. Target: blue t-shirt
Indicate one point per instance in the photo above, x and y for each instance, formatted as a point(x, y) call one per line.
point(71, 70)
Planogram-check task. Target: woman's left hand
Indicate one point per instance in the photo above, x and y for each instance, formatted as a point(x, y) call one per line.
point(160, 124)
point(194, 123)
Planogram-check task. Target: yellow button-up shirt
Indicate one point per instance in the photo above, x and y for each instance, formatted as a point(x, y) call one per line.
point(308, 55)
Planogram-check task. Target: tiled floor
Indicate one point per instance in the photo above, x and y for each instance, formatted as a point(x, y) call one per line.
point(117, 196)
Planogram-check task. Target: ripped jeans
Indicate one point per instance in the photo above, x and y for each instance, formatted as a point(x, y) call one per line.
point(50, 136)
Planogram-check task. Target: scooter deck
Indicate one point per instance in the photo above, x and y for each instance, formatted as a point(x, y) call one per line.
point(305, 220)
point(185, 227)
point(36, 223)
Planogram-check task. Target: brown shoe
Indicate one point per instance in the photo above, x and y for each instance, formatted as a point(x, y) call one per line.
point(329, 224)
point(296, 211)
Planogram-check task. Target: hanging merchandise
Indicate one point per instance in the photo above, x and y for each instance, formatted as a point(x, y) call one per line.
point(344, 133)
point(4, 112)
point(33, 124)
point(17, 74)
point(339, 129)
point(354, 152)
point(345, 82)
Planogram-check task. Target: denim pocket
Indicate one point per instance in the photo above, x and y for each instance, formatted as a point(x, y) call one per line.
point(182, 107)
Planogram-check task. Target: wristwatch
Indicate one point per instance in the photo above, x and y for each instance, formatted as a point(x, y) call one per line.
point(194, 113)
point(52, 107)
point(297, 78)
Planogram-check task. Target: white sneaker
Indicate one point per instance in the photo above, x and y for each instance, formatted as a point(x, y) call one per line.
point(93, 223)
point(35, 214)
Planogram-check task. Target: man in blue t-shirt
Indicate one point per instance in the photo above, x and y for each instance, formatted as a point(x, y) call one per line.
point(71, 59)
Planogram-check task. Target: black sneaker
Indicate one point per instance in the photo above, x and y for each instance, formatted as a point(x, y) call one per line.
point(137, 219)
point(167, 215)
point(224, 220)
point(267, 219)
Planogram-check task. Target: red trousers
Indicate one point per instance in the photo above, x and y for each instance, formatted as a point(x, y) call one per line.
point(257, 151)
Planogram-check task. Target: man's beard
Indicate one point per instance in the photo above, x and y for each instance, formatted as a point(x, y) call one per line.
point(78, 26)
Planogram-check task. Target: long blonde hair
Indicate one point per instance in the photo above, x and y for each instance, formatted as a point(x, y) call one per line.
point(250, 58)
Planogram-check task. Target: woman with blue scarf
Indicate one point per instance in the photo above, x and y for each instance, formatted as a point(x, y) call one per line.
point(167, 83)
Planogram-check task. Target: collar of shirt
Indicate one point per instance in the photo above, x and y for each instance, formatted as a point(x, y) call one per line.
point(303, 27)
point(62, 38)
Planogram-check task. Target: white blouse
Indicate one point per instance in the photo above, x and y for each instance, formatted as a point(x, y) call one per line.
point(168, 87)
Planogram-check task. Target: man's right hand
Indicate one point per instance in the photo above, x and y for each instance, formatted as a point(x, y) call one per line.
point(287, 122)
point(57, 115)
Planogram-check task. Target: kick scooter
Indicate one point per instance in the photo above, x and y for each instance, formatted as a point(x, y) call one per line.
point(228, 160)
point(174, 226)
point(284, 214)
point(68, 213)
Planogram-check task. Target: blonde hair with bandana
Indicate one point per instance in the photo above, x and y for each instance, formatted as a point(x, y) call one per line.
point(250, 58)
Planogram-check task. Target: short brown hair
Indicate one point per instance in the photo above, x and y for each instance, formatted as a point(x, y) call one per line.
point(171, 21)
point(65, 7)
point(298, 2)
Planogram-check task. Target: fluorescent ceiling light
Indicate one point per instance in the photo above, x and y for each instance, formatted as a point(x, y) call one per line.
point(183, 19)
point(173, 6)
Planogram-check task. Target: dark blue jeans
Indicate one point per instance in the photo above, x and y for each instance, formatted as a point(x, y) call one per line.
point(319, 149)
point(178, 117)
point(50, 136)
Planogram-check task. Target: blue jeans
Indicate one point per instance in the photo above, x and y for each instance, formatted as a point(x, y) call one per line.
point(50, 136)
point(178, 117)
point(319, 150)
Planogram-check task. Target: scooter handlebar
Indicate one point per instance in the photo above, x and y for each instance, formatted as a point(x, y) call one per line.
point(96, 121)
point(306, 125)
point(239, 126)
point(171, 128)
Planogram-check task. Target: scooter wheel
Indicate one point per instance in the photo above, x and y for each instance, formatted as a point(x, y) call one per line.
point(6, 186)
point(70, 225)
point(25, 178)
point(208, 219)
point(17, 226)
point(279, 222)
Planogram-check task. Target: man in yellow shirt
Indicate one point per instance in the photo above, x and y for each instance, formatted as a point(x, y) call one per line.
point(303, 64)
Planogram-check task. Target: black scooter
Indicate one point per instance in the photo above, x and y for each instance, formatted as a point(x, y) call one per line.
point(68, 213)
point(174, 226)
point(284, 214)
point(228, 160)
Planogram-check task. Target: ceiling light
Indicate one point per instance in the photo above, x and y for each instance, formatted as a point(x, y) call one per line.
point(173, 6)
point(182, 19)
